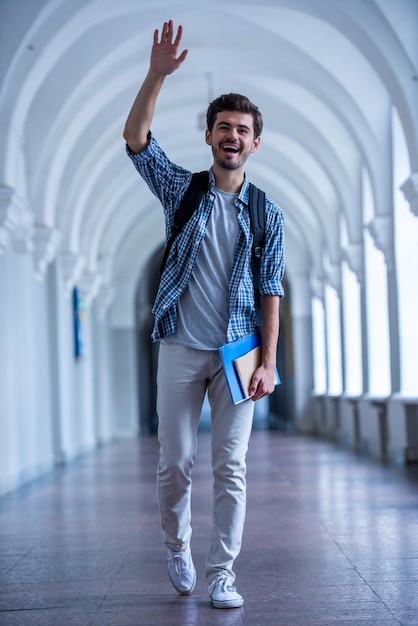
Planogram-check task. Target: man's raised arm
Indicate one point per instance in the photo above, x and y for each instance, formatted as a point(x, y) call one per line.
point(164, 61)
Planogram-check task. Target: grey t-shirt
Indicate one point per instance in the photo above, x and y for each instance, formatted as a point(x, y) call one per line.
point(203, 309)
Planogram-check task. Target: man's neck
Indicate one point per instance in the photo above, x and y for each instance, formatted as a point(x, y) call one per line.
point(228, 180)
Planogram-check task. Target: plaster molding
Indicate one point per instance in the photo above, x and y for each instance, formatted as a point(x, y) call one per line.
point(90, 283)
point(72, 265)
point(16, 221)
point(381, 230)
point(410, 191)
point(354, 255)
point(333, 277)
point(317, 288)
point(47, 240)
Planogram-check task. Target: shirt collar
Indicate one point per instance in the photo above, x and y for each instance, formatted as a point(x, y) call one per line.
point(243, 195)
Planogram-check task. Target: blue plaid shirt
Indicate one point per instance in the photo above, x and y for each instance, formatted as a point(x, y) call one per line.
point(168, 182)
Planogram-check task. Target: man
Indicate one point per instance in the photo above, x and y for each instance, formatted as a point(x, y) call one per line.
point(205, 299)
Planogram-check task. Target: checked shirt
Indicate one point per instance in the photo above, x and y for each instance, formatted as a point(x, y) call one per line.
point(168, 182)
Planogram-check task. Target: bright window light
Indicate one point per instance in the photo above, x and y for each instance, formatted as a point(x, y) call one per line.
point(406, 250)
point(352, 332)
point(333, 326)
point(376, 305)
point(319, 353)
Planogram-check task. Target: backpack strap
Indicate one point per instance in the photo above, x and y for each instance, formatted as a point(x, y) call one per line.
point(257, 200)
point(188, 205)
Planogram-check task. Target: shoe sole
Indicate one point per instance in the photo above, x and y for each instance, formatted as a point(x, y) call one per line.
point(227, 604)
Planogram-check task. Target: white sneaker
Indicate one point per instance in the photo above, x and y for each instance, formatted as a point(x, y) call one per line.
point(223, 593)
point(181, 570)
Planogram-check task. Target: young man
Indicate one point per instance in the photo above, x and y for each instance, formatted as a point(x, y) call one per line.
point(205, 299)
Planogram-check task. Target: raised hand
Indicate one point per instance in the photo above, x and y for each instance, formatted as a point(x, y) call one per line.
point(164, 59)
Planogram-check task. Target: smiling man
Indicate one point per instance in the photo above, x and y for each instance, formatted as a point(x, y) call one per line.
point(205, 299)
point(231, 134)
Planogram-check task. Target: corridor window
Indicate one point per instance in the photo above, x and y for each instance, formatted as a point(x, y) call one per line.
point(352, 332)
point(376, 305)
point(333, 326)
point(406, 250)
point(319, 353)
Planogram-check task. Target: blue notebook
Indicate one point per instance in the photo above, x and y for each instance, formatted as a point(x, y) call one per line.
point(240, 359)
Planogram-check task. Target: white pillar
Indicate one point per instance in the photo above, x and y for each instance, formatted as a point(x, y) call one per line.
point(303, 350)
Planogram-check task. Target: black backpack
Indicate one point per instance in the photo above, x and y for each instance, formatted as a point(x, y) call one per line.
point(197, 188)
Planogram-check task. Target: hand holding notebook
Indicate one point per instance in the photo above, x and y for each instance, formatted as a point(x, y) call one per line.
point(240, 359)
point(245, 366)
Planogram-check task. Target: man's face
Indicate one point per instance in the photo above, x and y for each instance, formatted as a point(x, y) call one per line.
point(232, 139)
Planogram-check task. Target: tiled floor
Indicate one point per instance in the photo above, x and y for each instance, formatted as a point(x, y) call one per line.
point(330, 538)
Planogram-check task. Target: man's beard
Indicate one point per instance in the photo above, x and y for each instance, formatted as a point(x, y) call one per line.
point(227, 164)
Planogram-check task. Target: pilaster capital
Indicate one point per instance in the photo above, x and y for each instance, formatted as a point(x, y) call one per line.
point(90, 283)
point(381, 230)
point(333, 277)
point(72, 265)
point(46, 240)
point(16, 221)
point(410, 191)
point(354, 255)
point(317, 287)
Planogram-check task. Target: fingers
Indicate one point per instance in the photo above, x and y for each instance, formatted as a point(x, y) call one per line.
point(170, 31)
point(179, 35)
point(164, 51)
point(253, 390)
point(167, 33)
point(182, 57)
point(260, 386)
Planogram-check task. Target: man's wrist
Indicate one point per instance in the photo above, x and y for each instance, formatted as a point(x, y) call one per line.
point(155, 75)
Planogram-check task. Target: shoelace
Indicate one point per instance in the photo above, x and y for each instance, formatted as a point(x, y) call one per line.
point(179, 564)
point(224, 587)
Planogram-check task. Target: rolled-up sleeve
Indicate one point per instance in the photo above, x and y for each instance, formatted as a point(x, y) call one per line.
point(166, 180)
point(273, 256)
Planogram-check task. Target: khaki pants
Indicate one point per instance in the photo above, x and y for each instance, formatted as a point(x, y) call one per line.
point(184, 375)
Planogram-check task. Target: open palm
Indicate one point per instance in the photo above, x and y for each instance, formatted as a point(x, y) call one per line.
point(164, 59)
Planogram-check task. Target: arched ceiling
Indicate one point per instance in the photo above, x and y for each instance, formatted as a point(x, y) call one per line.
point(326, 75)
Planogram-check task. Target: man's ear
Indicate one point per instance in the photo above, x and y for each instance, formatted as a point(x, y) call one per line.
point(256, 144)
point(208, 137)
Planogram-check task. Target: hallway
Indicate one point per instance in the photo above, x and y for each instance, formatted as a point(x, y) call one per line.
point(330, 538)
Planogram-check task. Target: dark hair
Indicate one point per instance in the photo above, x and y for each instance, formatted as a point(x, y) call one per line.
point(234, 102)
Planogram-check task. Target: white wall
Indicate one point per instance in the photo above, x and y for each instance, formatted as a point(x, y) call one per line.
point(26, 434)
point(52, 406)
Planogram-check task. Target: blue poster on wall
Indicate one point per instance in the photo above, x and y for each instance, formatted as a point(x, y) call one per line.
point(78, 316)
